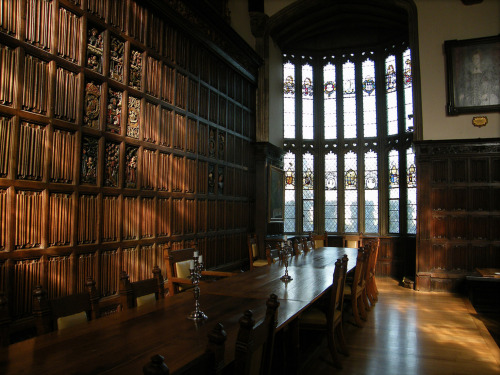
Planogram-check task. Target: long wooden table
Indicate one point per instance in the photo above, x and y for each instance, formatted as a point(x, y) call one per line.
point(124, 342)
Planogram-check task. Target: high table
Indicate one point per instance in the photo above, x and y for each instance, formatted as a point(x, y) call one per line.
point(124, 342)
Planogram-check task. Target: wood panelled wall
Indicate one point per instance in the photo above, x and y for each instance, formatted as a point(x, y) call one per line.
point(396, 256)
point(125, 127)
point(458, 210)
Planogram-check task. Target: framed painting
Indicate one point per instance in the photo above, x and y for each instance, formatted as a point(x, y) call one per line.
point(276, 194)
point(473, 75)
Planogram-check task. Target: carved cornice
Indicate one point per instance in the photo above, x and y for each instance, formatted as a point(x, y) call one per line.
point(270, 152)
point(458, 147)
point(211, 27)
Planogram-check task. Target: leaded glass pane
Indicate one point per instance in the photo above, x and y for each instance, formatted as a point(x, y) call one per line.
point(394, 191)
point(330, 101)
point(289, 100)
point(290, 178)
point(351, 191)
point(371, 192)
point(308, 192)
point(391, 95)
point(307, 102)
point(408, 91)
point(349, 97)
point(411, 173)
point(369, 101)
point(331, 192)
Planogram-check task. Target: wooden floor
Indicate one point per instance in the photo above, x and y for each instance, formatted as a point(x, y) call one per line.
point(410, 332)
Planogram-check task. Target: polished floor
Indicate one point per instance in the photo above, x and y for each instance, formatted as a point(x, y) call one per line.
point(410, 332)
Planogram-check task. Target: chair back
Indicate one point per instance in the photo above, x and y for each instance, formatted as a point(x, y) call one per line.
point(177, 264)
point(253, 249)
point(308, 243)
point(272, 254)
point(359, 271)
point(298, 246)
point(210, 363)
point(320, 240)
point(141, 292)
point(254, 344)
point(370, 247)
point(353, 240)
point(337, 291)
point(63, 312)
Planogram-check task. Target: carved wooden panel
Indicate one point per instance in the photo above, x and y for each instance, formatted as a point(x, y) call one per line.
point(123, 126)
point(458, 198)
point(459, 170)
point(439, 199)
point(458, 227)
point(480, 199)
point(439, 171)
point(458, 209)
point(479, 170)
point(86, 266)
point(163, 215)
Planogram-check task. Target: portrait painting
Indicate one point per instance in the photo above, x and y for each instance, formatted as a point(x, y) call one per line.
point(473, 75)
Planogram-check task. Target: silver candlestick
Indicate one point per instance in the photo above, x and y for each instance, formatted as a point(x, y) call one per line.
point(284, 252)
point(195, 268)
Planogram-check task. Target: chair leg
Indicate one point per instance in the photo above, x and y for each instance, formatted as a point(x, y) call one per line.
point(339, 333)
point(361, 305)
point(372, 289)
point(369, 294)
point(355, 312)
point(375, 290)
point(366, 301)
point(333, 349)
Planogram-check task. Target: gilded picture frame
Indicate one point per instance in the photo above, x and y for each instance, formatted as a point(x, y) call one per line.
point(473, 75)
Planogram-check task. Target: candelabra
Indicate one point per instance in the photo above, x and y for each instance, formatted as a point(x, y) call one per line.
point(195, 268)
point(284, 252)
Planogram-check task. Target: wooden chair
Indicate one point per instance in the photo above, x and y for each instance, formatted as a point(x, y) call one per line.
point(329, 316)
point(178, 274)
point(298, 246)
point(353, 240)
point(254, 344)
point(371, 285)
point(253, 253)
point(210, 363)
point(272, 254)
point(308, 243)
point(64, 312)
point(319, 240)
point(142, 292)
point(355, 291)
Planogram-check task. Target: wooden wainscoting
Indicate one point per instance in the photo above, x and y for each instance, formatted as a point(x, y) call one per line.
point(458, 211)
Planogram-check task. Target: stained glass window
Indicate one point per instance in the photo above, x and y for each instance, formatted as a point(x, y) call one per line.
point(289, 100)
point(348, 70)
point(394, 191)
point(411, 177)
point(391, 95)
point(369, 99)
point(408, 90)
point(330, 101)
point(307, 102)
point(343, 135)
point(308, 192)
point(290, 179)
point(371, 192)
point(351, 192)
point(331, 193)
